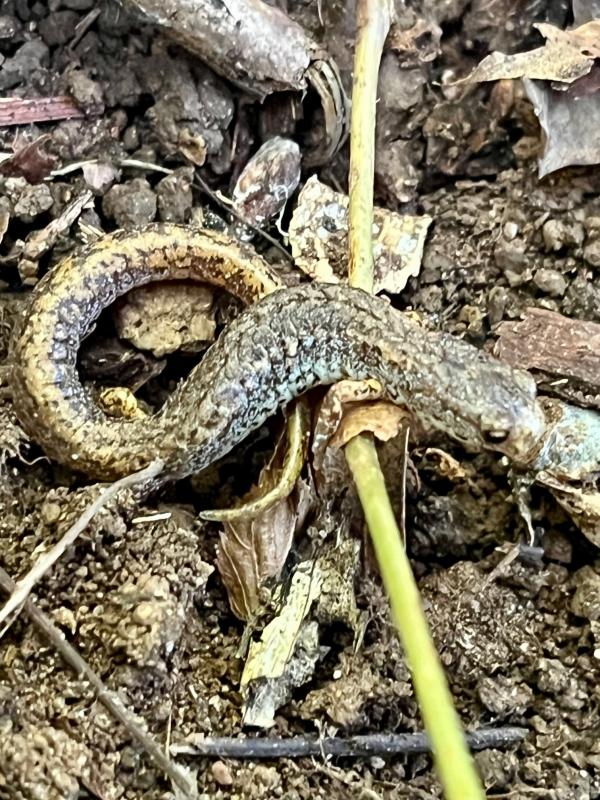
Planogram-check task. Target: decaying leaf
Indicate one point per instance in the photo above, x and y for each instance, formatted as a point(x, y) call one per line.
point(562, 81)
point(319, 239)
point(570, 124)
point(582, 505)
point(253, 549)
point(289, 647)
point(383, 419)
point(286, 653)
point(31, 161)
point(566, 56)
point(349, 408)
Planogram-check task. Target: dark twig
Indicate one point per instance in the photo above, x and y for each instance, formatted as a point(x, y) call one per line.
point(383, 745)
point(110, 700)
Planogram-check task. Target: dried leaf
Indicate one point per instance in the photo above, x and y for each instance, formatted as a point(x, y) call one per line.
point(286, 653)
point(383, 419)
point(566, 56)
point(570, 124)
point(30, 161)
point(254, 549)
point(581, 505)
point(265, 695)
point(319, 239)
point(332, 410)
point(268, 657)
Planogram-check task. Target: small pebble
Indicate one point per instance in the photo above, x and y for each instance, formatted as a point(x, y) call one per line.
point(130, 204)
point(221, 773)
point(550, 281)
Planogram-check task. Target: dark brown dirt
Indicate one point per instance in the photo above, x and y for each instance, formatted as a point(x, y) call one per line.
point(140, 599)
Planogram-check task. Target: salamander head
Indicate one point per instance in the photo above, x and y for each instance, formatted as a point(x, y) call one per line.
point(504, 416)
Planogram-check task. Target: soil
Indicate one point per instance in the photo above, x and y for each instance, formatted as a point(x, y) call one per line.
point(139, 597)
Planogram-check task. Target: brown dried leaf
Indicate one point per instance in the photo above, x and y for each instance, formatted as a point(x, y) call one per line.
point(319, 239)
point(583, 506)
point(383, 419)
point(332, 410)
point(254, 550)
point(30, 161)
point(566, 56)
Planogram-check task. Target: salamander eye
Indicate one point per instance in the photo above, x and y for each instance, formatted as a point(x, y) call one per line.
point(495, 437)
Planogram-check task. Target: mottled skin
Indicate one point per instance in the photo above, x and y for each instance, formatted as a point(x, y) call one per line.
point(284, 344)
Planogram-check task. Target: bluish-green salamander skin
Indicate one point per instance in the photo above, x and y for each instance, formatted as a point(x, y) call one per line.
point(287, 341)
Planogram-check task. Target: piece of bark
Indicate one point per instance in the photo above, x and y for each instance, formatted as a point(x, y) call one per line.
point(19, 111)
point(259, 48)
point(565, 351)
point(247, 41)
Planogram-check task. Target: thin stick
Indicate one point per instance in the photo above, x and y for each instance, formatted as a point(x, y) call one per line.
point(382, 745)
point(451, 755)
point(45, 562)
point(110, 700)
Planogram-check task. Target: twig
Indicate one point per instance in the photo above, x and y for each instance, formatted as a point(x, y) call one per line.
point(452, 759)
point(110, 700)
point(45, 562)
point(383, 745)
point(17, 111)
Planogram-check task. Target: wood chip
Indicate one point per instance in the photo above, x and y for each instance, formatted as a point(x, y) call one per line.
point(548, 341)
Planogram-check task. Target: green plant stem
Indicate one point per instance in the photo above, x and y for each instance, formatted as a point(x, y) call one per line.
point(452, 757)
point(373, 19)
point(453, 760)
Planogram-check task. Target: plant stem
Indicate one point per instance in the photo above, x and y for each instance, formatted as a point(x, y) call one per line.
point(452, 757)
